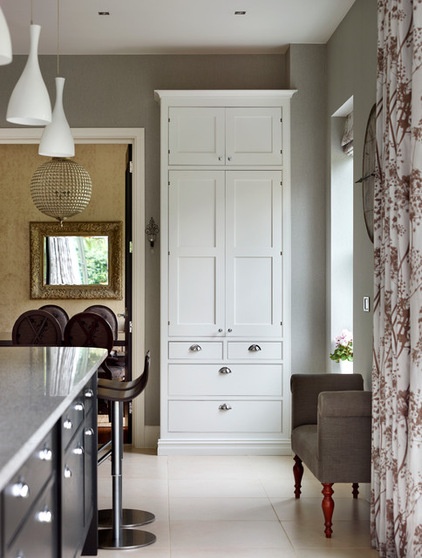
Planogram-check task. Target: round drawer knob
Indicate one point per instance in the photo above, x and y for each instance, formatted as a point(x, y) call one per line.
point(89, 394)
point(67, 473)
point(225, 370)
point(67, 425)
point(45, 516)
point(78, 406)
point(20, 490)
point(46, 454)
point(78, 451)
point(224, 407)
point(89, 432)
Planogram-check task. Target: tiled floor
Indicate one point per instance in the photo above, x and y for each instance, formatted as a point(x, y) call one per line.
point(240, 507)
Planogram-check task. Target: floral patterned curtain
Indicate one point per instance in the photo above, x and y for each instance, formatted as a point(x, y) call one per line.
point(396, 507)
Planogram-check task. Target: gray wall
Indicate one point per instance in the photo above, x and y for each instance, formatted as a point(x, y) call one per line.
point(351, 64)
point(306, 70)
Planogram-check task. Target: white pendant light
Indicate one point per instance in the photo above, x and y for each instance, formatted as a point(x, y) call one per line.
point(57, 139)
point(5, 42)
point(29, 103)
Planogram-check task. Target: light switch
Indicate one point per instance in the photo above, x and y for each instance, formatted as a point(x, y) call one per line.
point(366, 304)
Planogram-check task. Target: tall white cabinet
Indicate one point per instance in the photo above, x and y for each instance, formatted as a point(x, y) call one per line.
point(225, 272)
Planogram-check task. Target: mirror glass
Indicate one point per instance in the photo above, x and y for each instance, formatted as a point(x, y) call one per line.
point(76, 260)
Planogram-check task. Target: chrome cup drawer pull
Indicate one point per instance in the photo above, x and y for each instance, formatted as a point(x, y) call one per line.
point(195, 348)
point(225, 407)
point(254, 348)
point(225, 370)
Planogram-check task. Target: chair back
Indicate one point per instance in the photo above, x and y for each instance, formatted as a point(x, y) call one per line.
point(88, 329)
point(58, 312)
point(37, 327)
point(108, 314)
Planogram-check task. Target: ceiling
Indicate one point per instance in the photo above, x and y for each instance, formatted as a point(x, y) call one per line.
point(173, 26)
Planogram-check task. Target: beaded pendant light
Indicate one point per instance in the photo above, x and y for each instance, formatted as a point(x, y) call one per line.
point(61, 188)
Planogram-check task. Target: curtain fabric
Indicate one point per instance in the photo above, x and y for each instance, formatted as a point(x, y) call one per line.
point(396, 503)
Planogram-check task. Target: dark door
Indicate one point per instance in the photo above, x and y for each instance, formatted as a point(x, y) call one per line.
point(128, 283)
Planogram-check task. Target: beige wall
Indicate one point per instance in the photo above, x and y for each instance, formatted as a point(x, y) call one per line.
point(106, 166)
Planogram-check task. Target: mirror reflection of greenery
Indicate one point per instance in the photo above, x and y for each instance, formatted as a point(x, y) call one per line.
point(93, 260)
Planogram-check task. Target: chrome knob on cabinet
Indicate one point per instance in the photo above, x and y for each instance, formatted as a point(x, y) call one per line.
point(195, 348)
point(89, 432)
point(224, 407)
point(225, 370)
point(78, 451)
point(45, 454)
point(67, 425)
point(78, 406)
point(220, 330)
point(89, 394)
point(45, 516)
point(254, 348)
point(229, 158)
point(67, 473)
point(220, 158)
point(230, 330)
point(20, 490)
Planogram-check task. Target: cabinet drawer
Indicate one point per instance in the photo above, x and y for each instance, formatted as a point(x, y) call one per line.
point(255, 350)
point(25, 486)
point(196, 350)
point(38, 535)
point(225, 416)
point(225, 379)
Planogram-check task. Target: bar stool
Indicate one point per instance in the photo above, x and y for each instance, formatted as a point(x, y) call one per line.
point(121, 535)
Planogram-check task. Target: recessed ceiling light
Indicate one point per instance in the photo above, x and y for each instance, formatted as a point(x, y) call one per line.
point(240, 12)
point(103, 13)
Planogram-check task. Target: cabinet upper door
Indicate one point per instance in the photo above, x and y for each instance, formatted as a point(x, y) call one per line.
point(253, 253)
point(225, 136)
point(196, 136)
point(196, 252)
point(254, 136)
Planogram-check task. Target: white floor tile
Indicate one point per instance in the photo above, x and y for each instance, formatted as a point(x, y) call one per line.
point(235, 507)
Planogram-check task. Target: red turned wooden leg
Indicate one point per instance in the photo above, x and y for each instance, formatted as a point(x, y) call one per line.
point(327, 507)
point(355, 489)
point(298, 474)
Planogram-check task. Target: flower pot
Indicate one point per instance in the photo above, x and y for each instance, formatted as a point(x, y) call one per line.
point(346, 367)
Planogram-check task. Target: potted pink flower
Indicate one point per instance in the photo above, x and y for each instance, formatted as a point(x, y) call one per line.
point(343, 350)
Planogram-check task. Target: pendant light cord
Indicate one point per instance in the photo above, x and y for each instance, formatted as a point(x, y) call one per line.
point(58, 38)
point(32, 14)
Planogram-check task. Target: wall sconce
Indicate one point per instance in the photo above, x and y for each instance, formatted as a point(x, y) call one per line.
point(152, 231)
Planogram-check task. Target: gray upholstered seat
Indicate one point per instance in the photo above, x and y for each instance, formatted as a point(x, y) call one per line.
point(331, 433)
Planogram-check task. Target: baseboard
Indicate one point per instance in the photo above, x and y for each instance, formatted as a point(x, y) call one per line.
point(223, 447)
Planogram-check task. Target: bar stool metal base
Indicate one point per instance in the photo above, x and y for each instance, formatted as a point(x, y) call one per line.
point(128, 538)
point(130, 518)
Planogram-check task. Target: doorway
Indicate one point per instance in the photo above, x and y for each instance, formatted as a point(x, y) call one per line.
point(133, 137)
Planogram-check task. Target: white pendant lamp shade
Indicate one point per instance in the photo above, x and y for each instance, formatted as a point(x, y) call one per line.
point(57, 139)
point(29, 103)
point(5, 42)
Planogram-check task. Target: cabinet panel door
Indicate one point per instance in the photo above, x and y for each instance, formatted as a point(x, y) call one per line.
point(196, 136)
point(253, 253)
point(253, 136)
point(196, 252)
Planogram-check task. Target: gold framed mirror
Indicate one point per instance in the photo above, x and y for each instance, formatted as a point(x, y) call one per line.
point(76, 260)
